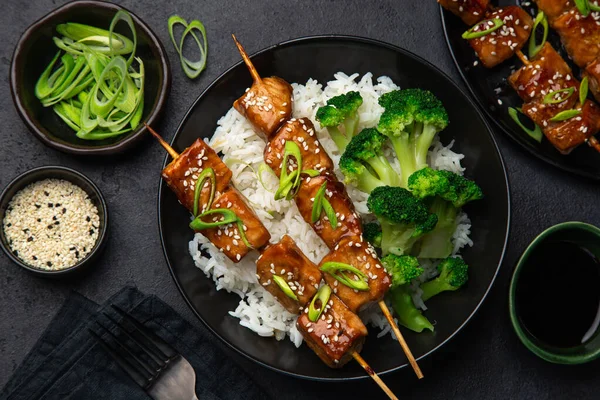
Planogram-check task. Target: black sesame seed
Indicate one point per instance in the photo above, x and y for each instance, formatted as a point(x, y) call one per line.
point(58, 254)
point(84, 249)
point(76, 254)
point(57, 223)
point(46, 193)
point(37, 206)
point(88, 219)
point(30, 239)
point(26, 230)
point(49, 264)
point(91, 232)
point(50, 205)
point(16, 253)
point(54, 218)
point(9, 225)
point(64, 210)
point(34, 257)
point(39, 220)
point(57, 205)
point(73, 248)
point(49, 226)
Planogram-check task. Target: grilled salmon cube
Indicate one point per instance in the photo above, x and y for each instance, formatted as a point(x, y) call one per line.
point(348, 222)
point(495, 47)
point(470, 11)
point(547, 72)
point(554, 8)
point(302, 132)
point(287, 261)
point(361, 255)
point(335, 335)
point(592, 71)
point(227, 238)
point(182, 173)
point(267, 104)
point(580, 35)
point(567, 135)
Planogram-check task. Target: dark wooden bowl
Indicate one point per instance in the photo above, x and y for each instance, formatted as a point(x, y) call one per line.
point(36, 49)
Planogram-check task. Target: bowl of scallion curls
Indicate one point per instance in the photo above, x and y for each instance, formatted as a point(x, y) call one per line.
point(88, 76)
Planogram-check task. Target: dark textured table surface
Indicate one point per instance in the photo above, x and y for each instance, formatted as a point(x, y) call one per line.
point(485, 361)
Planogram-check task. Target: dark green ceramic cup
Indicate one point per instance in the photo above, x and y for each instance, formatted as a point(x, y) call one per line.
point(587, 236)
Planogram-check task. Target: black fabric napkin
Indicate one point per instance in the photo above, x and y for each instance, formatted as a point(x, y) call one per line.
point(66, 363)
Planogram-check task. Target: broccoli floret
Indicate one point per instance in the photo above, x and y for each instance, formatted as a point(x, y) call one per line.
point(411, 119)
point(341, 110)
point(372, 233)
point(403, 270)
point(454, 273)
point(403, 218)
point(445, 192)
point(363, 163)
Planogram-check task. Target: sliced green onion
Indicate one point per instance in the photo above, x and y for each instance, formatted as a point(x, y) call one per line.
point(261, 170)
point(338, 269)
point(311, 172)
point(330, 213)
point(550, 98)
point(473, 34)
point(229, 217)
point(535, 133)
point(242, 232)
point(583, 90)
point(323, 295)
point(535, 48)
point(318, 203)
point(583, 6)
point(283, 285)
point(80, 33)
point(43, 88)
point(565, 115)
point(593, 7)
point(208, 174)
point(191, 68)
point(289, 182)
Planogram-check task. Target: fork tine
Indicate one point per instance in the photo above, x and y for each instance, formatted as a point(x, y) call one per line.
point(135, 374)
point(153, 352)
point(136, 362)
point(148, 334)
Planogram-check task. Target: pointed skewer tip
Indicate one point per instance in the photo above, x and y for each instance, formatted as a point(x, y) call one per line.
point(374, 375)
point(255, 76)
point(162, 142)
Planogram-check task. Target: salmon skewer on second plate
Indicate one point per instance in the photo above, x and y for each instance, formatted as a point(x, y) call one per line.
point(304, 156)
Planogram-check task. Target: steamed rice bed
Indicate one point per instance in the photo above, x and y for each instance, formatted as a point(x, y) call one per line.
point(242, 151)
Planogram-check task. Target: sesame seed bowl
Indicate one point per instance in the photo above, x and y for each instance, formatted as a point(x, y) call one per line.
point(53, 221)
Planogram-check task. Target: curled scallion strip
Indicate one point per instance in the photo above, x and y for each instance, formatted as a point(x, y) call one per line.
point(229, 217)
point(285, 287)
point(208, 174)
point(323, 295)
point(535, 133)
point(338, 271)
point(583, 90)
point(535, 48)
point(289, 181)
point(565, 115)
point(330, 213)
point(593, 6)
point(583, 6)
point(191, 68)
point(557, 96)
point(473, 34)
point(321, 204)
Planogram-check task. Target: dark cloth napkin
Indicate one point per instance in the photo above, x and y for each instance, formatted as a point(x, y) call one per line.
point(67, 363)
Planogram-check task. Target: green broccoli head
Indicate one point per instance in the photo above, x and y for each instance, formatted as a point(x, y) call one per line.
point(454, 273)
point(403, 218)
point(340, 111)
point(451, 187)
point(372, 233)
point(465, 189)
point(411, 120)
point(402, 268)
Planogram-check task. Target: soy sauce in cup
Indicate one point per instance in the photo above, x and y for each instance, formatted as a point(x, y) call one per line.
point(558, 296)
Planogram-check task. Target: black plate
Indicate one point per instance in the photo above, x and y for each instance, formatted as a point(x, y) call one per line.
point(295, 62)
point(482, 82)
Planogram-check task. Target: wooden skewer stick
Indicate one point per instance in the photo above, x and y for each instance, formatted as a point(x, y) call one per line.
point(162, 142)
point(255, 76)
point(403, 344)
point(522, 57)
point(373, 375)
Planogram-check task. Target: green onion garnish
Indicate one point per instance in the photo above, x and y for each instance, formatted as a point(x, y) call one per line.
point(322, 204)
point(473, 34)
point(593, 6)
point(557, 96)
point(283, 285)
point(93, 88)
point(565, 115)
point(535, 133)
point(229, 217)
point(289, 182)
point(323, 295)
point(191, 68)
point(535, 48)
point(206, 174)
point(583, 90)
point(338, 269)
point(583, 6)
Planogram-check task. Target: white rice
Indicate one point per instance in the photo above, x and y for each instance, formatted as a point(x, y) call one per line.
point(242, 151)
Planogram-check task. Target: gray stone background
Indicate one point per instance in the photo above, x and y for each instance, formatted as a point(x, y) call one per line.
point(485, 361)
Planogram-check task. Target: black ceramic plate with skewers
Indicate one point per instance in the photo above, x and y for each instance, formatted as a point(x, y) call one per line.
point(294, 61)
point(494, 95)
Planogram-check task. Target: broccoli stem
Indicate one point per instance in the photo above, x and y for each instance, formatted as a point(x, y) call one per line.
point(404, 148)
point(340, 140)
point(435, 287)
point(423, 144)
point(438, 242)
point(384, 170)
point(351, 125)
point(396, 238)
point(408, 315)
point(367, 182)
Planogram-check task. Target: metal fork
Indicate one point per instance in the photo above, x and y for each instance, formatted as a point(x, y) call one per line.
point(150, 361)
